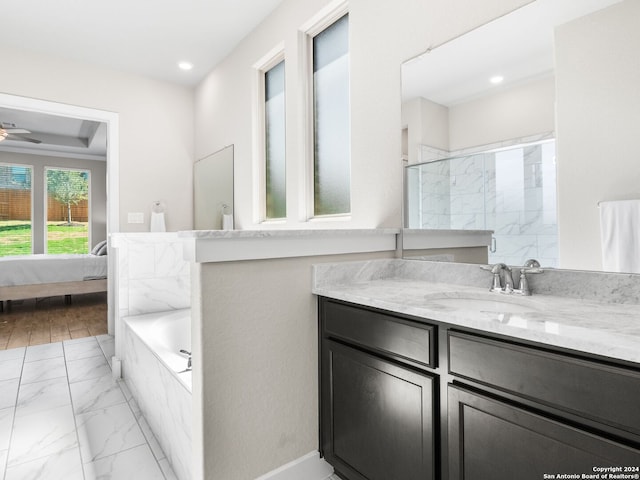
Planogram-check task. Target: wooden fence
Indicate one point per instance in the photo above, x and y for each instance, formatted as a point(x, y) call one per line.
point(16, 205)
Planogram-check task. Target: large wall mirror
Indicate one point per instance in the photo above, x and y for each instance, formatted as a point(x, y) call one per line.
point(213, 191)
point(536, 116)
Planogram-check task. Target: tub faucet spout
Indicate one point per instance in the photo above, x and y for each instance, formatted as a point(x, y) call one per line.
point(184, 352)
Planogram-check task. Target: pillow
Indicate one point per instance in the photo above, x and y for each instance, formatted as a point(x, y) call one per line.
point(102, 251)
point(98, 246)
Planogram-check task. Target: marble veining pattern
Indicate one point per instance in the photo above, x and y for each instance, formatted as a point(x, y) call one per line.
point(145, 376)
point(578, 316)
point(284, 233)
point(108, 431)
point(153, 275)
point(8, 392)
point(42, 396)
point(509, 191)
point(85, 429)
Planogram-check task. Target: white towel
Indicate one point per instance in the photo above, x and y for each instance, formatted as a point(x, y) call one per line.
point(227, 221)
point(620, 235)
point(157, 222)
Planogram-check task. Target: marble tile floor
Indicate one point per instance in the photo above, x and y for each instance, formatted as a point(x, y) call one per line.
point(46, 320)
point(63, 417)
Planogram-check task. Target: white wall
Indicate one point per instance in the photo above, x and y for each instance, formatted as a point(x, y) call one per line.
point(520, 111)
point(156, 127)
point(259, 345)
point(383, 35)
point(517, 112)
point(259, 353)
point(598, 111)
point(427, 123)
point(97, 189)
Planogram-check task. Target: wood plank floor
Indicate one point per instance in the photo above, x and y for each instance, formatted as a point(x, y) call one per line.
point(49, 320)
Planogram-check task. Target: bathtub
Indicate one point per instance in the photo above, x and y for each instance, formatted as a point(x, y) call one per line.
point(154, 371)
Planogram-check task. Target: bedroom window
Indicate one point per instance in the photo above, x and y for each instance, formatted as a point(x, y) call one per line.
point(274, 119)
point(67, 211)
point(331, 128)
point(15, 210)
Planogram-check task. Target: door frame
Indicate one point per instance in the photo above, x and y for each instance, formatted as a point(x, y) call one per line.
point(113, 167)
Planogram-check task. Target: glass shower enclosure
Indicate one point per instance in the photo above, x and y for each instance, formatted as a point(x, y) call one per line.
point(511, 191)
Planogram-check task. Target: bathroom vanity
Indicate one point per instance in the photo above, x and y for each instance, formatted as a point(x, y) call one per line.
point(425, 379)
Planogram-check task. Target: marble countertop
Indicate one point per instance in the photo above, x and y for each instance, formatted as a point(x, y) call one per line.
point(287, 233)
point(210, 246)
point(606, 329)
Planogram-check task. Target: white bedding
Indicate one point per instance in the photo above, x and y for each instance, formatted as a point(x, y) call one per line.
point(44, 268)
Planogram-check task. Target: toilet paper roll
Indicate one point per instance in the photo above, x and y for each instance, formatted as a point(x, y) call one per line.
point(227, 222)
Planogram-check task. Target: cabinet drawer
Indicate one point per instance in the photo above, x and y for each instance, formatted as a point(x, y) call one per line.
point(522, 444)
point(379, 331)
point(600, 392)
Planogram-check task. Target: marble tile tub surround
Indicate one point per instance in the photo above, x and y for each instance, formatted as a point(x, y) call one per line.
point(63, 417)
point(153, 275)
point(165, 402)
point(593, 312)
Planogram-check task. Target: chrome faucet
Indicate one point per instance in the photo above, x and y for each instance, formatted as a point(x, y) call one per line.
point(503, 278)
point(530, 266)
point(184, 352)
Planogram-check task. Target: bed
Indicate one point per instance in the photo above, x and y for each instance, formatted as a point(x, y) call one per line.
point(43, 275)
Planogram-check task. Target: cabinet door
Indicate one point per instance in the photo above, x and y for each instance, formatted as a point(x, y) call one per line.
point(489, 439)
point(377, 417)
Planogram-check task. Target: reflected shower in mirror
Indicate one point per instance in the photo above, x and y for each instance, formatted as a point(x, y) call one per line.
point(552, 70)
point(213, 191)
point(511, 191)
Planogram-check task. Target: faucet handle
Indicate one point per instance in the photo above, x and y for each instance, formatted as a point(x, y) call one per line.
point(495, 269)
point(531, 270)
point(531, 266)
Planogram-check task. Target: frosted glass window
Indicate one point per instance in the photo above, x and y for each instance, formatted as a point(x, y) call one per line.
point(275, 142)
point(15, 210)
point(332, 163)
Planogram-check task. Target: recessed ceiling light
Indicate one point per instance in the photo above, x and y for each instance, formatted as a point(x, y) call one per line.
point(185, 66)
point(496, 79)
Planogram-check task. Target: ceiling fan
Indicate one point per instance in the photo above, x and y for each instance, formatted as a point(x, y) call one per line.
point(8, 131)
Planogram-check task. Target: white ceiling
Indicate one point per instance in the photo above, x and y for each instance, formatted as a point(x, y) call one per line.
point(58, 136)
point(518, 46)
point(146, 37)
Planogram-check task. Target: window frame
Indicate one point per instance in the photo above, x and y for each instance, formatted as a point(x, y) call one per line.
point(45, 199)
point(316, 25)
point(31, 194)
point(260, 68)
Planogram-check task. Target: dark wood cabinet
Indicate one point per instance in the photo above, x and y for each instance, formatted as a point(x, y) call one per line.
point(377, 409)
point(493, 440)
point(403, 398)
point(378, 416)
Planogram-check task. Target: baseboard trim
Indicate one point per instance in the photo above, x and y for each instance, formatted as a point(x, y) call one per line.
point(309, 467)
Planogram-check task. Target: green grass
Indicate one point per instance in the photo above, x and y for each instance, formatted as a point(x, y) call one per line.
point(15, 238)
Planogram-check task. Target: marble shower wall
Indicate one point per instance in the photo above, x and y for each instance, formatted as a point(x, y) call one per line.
point(511, 191)
point(152, 273)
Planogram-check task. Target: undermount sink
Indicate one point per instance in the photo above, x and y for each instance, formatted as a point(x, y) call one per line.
point(489, 302)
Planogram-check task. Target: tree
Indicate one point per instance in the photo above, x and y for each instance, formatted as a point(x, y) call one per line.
point(68, 187)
